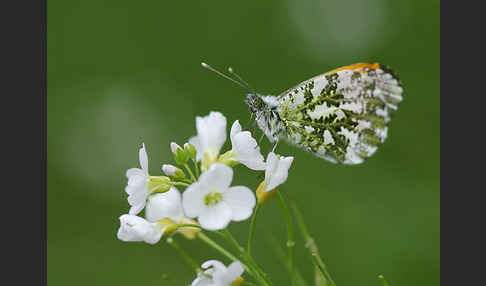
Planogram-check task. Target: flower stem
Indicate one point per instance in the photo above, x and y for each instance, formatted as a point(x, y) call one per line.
point(219, 248)
point(196, 167)
point(252, 228)
point(188, 225)
point(290, 237)
point(259, 274)
point(190, 172)
point(180, 184)
point(311, 245)
point(184, 255)
point(280, 253)
point(188, 181)
point(250, 269)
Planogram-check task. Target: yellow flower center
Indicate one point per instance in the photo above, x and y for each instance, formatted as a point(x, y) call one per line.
point(213, 198)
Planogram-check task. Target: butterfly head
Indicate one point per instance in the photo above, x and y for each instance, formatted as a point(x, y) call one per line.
point(255, 103)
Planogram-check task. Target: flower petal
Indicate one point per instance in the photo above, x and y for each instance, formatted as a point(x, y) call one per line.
point(271, 166)
point(197, 144)
point(142, 157)
point(211, 131)
point(137, 181)
point(193, 200)
point(218, 272)
point(276, 172)
point(136, 209)
point(215, 217)
point(202, 280)
point(234, 271)
point(218, 177)
point(134, 228)
point(235, 129)
point(165, 205)
point(154, 236)
point(137, 196)
point(216, 264)
point(241, 200)
point(247, 151)
point(134, 172)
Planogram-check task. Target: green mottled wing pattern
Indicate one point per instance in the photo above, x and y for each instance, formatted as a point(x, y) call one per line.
point(341, 116)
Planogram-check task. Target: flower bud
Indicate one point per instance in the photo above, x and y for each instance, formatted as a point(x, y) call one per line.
point(158, 184)
point(180, 155)
point(173, 171)
point(174, 146)
point(190, 150)
point(228, 158)
point(263, 195)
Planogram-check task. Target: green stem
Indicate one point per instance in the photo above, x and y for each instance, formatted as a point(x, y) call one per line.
point(279, 252)
point(322, 268)
point(188, 225)
point(187, 181)
point(290, 236)
point(226, 253)
point(257, 271)
point(196, 167)
point(233, 241)
point(311, 245)
point(216, 246)
point(184, 255)
point(180, 184)
point(252, 228)
point(190, 172)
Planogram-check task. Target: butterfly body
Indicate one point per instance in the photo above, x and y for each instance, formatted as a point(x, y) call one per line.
point(341, 116)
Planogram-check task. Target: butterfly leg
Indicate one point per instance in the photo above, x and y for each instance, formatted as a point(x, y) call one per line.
point(260, 140)
point(274, 146)
point(254, 127)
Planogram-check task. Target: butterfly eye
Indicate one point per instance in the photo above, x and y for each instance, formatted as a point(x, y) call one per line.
point(258, 103)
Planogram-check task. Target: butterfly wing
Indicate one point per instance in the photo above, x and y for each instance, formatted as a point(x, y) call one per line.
point(342, 115)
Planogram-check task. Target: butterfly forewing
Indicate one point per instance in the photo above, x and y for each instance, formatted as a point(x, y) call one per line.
point(343, 115)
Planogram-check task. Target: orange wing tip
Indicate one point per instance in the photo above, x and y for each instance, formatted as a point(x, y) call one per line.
point(357, 66)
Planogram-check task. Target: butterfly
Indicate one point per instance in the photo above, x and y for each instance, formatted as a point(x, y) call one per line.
point(341, 116)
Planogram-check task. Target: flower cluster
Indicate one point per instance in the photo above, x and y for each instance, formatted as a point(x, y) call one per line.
point(196, 199)
point(209, 201)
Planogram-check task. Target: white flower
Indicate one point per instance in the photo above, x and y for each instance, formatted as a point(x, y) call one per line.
point(245, 148)
point(168, 205)
point(134, 228)
point(214, 202)
point(219, 273)
point(276, 171)
point(211, 135)
point(165, 205)
point(137, 183)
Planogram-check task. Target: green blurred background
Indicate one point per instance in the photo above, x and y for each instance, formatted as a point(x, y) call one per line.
point(125, 72)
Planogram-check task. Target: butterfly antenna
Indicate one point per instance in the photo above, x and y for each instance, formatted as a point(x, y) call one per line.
point(206, 66)
point(231, 71)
